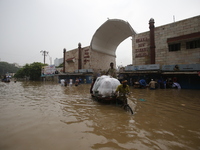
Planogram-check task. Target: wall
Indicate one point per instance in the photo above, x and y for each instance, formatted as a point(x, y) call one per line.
point(101, 62)
point(90, 60)
point(184, 56)
point(71, 66)
point(141, 47)
point(86, 55)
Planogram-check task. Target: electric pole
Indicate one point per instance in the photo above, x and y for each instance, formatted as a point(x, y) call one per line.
point(44, 53)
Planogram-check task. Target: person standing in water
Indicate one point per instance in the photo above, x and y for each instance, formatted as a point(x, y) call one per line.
point(112, 71)
point(152, 84)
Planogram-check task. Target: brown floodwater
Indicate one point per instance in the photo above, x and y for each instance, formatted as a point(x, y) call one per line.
point(48, 116)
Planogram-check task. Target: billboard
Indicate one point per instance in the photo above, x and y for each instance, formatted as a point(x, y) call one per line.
point(48, 70)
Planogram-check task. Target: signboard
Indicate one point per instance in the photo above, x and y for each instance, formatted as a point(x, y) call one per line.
point(143, 67)
point(83, 71)
point(142, 47)
point(181, 67)
point(48, 70)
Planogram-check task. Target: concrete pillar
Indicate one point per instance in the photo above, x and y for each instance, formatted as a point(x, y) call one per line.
point(152, 40)
point(79, 56)
point(64, 51)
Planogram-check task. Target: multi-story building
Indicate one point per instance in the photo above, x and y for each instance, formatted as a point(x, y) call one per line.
point(162, 52)
point(175, 43)
point(58, 61)
point(168, 51)
point(101, 52)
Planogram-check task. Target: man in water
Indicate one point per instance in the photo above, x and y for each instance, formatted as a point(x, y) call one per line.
point(143, 83)
point(123, 89)
point(112, 71)
point(152, 84)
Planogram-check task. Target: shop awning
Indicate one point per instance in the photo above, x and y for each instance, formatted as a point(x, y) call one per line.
point(71, 59)
point(179, 72)
point(184, 37)
point(140, 72)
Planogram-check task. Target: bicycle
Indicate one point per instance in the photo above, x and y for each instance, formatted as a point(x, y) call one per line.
point(123, 99)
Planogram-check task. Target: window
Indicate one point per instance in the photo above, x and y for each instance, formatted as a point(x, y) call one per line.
point(193, 44)
point(174, 47)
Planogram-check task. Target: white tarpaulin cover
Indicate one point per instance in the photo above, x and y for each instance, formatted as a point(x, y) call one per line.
point(110, 34)
point(105, 85)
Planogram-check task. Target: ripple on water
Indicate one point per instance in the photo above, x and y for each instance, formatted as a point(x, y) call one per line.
point(67, 118)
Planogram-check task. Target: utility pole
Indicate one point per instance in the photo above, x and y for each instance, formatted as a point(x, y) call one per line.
point(44, 53)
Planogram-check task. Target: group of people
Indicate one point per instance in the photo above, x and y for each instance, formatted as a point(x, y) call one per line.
point(64, 82)
point(123, 88)
point(154, 84)
point(5, 79)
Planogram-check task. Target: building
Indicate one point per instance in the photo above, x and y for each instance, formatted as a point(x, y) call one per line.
point(58, 61)
point(168, 51)
point(168, 44)
point(156, 53)
point(95, 59)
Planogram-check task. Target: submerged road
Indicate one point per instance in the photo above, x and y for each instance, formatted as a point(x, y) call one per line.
point(48, 116)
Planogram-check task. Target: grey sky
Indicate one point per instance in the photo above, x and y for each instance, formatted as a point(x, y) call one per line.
point(29, 26)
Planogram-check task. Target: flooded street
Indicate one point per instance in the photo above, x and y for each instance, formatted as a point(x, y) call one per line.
point(48, 116)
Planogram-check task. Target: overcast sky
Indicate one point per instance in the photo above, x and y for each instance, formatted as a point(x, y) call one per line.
point(29, 26)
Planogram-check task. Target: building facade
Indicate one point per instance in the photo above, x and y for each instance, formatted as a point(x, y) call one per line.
point(175, 43)
point(167, 52)
point(102, 49)
point(86, 60)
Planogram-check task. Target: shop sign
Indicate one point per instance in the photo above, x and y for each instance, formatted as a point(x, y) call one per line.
point(143, 67)
point(181, 67)
point(142, 47)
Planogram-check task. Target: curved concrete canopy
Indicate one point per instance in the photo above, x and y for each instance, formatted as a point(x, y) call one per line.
point(109, 35)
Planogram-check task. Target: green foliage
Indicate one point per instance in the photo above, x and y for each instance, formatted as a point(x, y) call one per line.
point(6, 67)
point(33, 71)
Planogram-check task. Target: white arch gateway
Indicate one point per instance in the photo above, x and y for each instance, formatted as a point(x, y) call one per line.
point(109, 35)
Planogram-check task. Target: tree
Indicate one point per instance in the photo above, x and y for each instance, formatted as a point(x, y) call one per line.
point(6, 67)
point(33, 71)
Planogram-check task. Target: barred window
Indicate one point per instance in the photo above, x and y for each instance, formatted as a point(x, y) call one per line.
point(174, 47)
point(193, 44)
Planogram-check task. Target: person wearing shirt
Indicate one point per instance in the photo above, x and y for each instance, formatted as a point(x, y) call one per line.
point(152, 84)
point(123, 89)
point(112, 71)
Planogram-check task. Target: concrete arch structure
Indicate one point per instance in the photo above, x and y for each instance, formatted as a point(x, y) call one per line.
point(109, 35)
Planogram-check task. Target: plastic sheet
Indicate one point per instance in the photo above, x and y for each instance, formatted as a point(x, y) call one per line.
point(105, 85)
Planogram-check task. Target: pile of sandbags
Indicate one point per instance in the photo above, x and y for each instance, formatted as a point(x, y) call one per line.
point(105, 85)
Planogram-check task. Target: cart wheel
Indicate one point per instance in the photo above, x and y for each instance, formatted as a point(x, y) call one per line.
point(128, 109)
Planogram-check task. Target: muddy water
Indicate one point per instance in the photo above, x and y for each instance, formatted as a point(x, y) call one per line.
point(47, 116)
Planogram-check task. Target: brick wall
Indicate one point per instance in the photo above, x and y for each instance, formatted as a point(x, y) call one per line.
point(90, 60)
point(162, 33)
point(101, 61)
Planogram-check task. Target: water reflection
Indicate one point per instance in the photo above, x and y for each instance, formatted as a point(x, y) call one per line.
point(45, 115)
